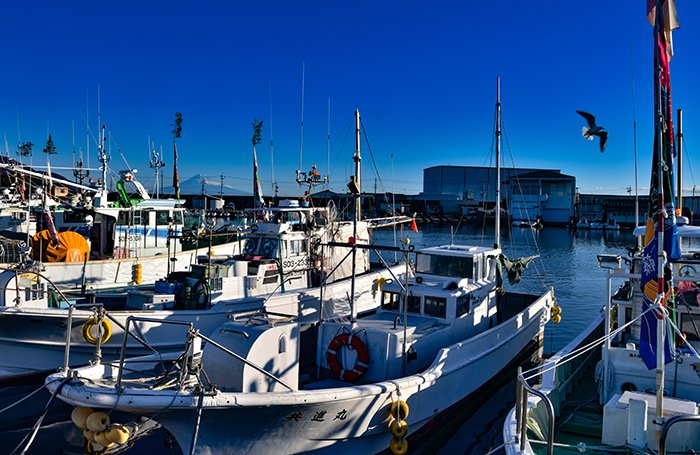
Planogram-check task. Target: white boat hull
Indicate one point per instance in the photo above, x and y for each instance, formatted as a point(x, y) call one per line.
point(35, 338)
point(316, 420)
point(115, 273)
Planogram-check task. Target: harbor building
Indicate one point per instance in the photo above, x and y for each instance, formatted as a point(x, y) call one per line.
point(546, 194)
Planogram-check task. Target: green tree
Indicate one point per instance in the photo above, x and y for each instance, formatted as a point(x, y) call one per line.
point(257, 131)
point(24, 148)
point(177, 132)
point(50, 148)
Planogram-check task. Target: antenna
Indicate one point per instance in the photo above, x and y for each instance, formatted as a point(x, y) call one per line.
point(328, 164)
point(301, 132)
point(156, 163)
point(221, 191)
point(272, 144)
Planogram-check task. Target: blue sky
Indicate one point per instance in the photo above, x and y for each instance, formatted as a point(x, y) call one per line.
point(422, 75)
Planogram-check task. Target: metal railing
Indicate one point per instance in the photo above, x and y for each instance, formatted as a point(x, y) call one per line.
point(521, 410)
point(191, 334)
point(667, 426)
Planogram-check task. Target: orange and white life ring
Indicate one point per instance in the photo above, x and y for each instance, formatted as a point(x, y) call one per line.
point(361, 363)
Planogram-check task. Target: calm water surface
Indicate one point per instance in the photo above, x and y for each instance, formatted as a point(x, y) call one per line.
point(567, 263)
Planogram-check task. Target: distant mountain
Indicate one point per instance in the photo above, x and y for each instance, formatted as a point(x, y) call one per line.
point(212, 186)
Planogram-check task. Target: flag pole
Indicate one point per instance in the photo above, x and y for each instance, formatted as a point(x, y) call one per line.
point(661, 300)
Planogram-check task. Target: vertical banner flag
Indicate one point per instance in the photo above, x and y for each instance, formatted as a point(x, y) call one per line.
point(661, 215)
point(176, 177)
point(259, 201)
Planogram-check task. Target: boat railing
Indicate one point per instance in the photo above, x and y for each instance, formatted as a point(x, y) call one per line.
point(667, 426)
point(190, 337)
point(521, 409)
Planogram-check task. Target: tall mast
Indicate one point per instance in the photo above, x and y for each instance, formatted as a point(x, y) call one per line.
point(660, 321)
point(679, 145)
point(301, 128)
point(497, 234)
point(272, 145)
point(357, 158)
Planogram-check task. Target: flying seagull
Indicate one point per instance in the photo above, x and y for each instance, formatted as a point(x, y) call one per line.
point(594, 130)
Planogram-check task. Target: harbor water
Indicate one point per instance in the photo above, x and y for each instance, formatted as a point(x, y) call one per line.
point(567, 262)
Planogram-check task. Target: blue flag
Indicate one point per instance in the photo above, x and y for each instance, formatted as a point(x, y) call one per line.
point(661, 216)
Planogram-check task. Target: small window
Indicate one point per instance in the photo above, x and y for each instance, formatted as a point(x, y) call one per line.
point(435, 306)
point(123, 219)
point(281, 345)
point(161, 218)
point(297, 247)
point(268, 248)
point(413, 304)
point(250, 246)
point(462, 305)
point(177, 217)
point(390, 301)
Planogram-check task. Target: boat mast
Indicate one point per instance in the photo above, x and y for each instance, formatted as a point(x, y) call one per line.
point(679, 148)
point(660, 321)
point(497, 234)
point(357, 158)
point(356, 189)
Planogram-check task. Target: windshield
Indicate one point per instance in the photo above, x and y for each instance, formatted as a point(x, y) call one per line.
point(455, 266)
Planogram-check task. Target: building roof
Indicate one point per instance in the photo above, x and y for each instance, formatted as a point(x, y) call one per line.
point(543, 174)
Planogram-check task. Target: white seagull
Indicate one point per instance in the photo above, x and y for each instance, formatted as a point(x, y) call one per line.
point(594, 130)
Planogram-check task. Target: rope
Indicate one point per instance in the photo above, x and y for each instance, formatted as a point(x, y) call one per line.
point(26, 397)
point(35, 429)
point(580, 351)
point(496, 449)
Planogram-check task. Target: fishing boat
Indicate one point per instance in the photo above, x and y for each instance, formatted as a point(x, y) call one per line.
point(629, 382)
point(280, 268)
point(269, 384)
point(96, 245)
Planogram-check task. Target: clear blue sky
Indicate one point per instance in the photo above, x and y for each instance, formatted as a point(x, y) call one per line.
point(422, 75)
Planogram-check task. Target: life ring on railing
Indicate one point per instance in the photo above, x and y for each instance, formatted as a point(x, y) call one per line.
point(361, 363)
point(91, 324)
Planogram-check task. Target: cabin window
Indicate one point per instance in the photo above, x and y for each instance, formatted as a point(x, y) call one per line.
point(70, 216)
point(390, 301)
point(281, 345)
point(454, 266)
point(268, 248)
point(462, 305)
point(413, 304)
point(296, 247)
point(435, 306)
point(250, 246)
point(177, 217)
point(484, 269)
point(162, 218)
point(123, 219)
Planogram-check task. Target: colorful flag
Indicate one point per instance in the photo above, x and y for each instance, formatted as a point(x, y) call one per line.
point(658, 284)
point(176, 177)
point(670, 20)
point(414, 226)
point(259, 201)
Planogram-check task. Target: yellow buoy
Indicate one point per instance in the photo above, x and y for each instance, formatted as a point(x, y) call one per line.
point(556, 318)
point(90, 326)
point(118, 434)
point(101, 439)
point(402, 408)
point(398, 428)
point(556, 309)
point(137, 273)
point(97, 422)
point(88, 434)
point(398, 446)
point(79, 415)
